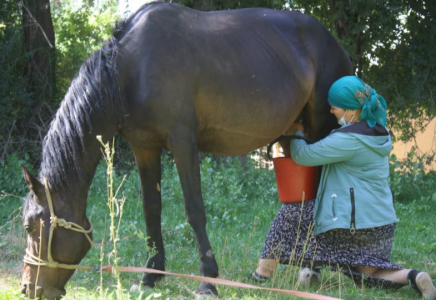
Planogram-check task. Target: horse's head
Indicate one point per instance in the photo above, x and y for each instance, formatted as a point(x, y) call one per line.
point(67, 247)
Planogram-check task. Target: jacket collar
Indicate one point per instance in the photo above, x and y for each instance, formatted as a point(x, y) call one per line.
point(363, 128)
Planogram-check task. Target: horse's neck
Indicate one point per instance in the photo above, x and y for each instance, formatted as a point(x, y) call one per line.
point(70, 164)
point(92, 153)
point(90, 157)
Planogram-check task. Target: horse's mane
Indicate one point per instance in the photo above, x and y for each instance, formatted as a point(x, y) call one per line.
point(93, 93)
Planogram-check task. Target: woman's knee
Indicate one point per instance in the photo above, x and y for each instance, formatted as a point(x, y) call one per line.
point(367, 270)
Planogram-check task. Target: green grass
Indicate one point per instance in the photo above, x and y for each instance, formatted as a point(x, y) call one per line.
point(240, 204)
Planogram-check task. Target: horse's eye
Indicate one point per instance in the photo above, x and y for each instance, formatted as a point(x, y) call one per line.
point(28, 228)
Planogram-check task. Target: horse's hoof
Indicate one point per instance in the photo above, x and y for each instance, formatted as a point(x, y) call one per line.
point(139, 286)
point(135, 286)
point(206, 291)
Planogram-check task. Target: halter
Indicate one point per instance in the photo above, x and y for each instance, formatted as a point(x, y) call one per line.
point(31, 259)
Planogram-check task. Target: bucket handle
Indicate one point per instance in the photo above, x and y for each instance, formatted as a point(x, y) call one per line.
point(285, 138)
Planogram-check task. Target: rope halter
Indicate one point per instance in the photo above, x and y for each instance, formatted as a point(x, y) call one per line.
point(31, 259)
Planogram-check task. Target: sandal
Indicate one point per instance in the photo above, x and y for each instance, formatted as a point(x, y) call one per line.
point(422, 282)
point(257, 278)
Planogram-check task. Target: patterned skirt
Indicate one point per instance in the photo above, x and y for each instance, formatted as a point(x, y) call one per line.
point(290, 240)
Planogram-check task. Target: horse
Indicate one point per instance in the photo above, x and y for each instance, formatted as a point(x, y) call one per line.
point(170, 77)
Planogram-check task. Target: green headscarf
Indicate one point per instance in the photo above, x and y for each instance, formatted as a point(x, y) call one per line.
point(350, 92)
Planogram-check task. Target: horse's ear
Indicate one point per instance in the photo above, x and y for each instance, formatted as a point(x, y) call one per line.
point(33, 184)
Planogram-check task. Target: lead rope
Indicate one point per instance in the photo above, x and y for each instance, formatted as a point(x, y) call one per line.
point(306, 295)
point(31, 259)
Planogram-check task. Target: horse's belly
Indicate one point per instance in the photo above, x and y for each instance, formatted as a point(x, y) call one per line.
point(227, 142)
point(240, 126)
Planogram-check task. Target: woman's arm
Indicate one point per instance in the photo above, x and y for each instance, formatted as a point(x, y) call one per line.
point(334, 148)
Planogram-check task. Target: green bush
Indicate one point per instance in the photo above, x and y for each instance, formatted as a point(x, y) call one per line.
point(409, 179)
point(12, 187)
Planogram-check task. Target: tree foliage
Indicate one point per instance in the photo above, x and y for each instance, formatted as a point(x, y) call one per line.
point(31, 84)
point(79, 31)
point(407, 68)
point(391, 43)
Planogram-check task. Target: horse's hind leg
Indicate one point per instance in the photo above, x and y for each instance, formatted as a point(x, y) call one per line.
point(183, 145)
point(149, 166)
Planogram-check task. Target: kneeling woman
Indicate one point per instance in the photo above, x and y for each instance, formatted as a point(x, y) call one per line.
point(353, 211)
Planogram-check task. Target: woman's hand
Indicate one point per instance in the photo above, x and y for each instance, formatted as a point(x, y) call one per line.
point(297, 126)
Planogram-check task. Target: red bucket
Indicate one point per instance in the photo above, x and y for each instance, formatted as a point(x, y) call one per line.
point(293, 179)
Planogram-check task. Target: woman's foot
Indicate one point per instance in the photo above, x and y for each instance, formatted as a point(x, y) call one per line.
point(309, 276)
point(425, 285)
point(422, 282)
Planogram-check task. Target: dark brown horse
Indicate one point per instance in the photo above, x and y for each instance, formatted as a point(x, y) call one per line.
point(224, 82)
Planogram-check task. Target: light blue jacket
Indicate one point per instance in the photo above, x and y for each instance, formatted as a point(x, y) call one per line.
point(353, 190)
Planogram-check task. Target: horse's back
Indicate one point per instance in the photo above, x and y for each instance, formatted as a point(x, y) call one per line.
point(179, 35)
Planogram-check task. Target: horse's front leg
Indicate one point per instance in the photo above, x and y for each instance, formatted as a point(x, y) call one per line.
point(149, 166)
point(184, 147)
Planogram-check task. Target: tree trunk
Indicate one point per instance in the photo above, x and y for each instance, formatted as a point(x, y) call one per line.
point(39, 40)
